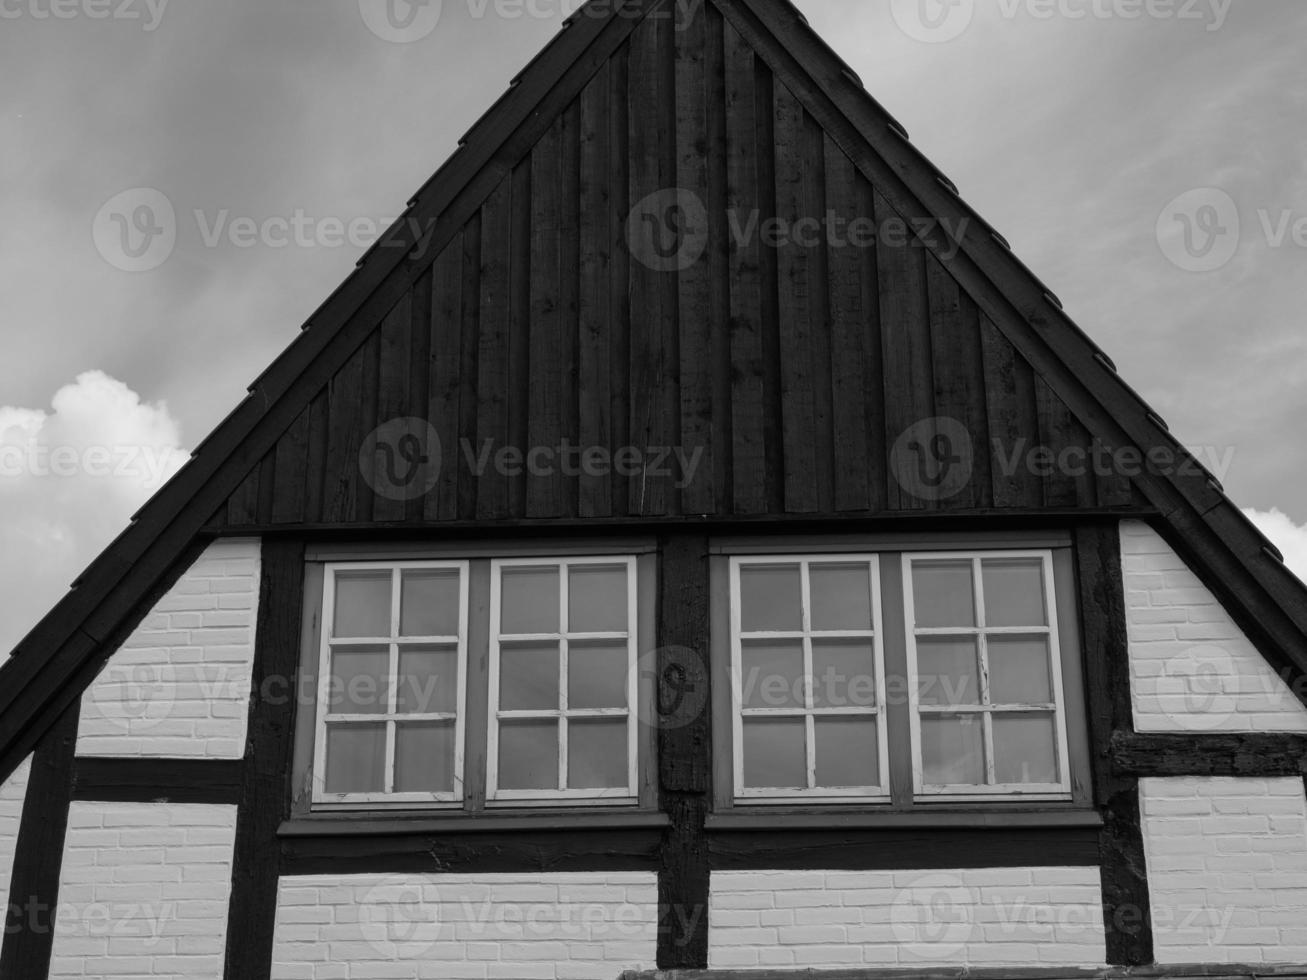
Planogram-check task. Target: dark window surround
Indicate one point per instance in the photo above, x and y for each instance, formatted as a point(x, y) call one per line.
point(731, 813)
point(475, 810)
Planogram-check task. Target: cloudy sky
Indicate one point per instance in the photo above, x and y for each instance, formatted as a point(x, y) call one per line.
point(1147, 159)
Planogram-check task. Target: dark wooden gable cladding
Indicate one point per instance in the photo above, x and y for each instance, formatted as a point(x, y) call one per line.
point(777, 375)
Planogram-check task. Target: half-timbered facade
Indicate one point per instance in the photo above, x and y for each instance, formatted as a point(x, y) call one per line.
point(689, 540)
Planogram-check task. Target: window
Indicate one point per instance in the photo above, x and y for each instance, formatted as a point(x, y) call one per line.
point(391, 703)
point(987, 713)
point(562, 679)
point(462, 681)
point(809, 681)
point(905, 677)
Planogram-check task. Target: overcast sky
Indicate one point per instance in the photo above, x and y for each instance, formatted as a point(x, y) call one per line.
point(1147, 158)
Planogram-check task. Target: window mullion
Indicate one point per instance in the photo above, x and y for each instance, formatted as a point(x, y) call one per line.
point(564, 625)
point(982, 652)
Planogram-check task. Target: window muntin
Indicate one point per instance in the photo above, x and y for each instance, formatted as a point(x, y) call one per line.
point(563, 679)
point(987, 711)
point(392, 666)
point(808, 679)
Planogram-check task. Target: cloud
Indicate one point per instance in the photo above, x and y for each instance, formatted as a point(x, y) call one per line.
point(70, 479)
point(1289, 537)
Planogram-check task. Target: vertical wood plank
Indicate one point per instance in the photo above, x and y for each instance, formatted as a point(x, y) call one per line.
point(695, 346)
point(794, 288)
point(469, 349)
point(905, 346)
point(873, 380)
point(569, 284)
point(316, 459)
point(519, 337)
point(366, 407)
point(441, 503)
point(419, 370)
point(595, 329)
point(719, 268)
point(748, 417)
point(544, 482)
point(344, 439)
point(653, 320)
point(289, 472)
point(1069, 480)
point(849, 341)
point(619, 273)
point(1013, 426)
point(959, 390)
point(395, 345)
point(492, 357)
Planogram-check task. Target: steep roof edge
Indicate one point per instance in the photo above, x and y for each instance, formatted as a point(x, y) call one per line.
point(69, 636)
point(37, 683)
point(1197, 514)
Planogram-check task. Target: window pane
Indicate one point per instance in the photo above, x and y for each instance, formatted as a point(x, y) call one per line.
point(942, 593)
point(947, 670)
point(424, 757)
point(775, 753)
point(528, 754)
point(843, 673)
point(359, 680)
point(356, 758)
point(1025, 748)
point(1014, 592)
point(952, 750)
point(771, 674)
point(428, 680)
point(841, 596)
point(528, 676)
point(770, 597)
point(428, 602)
point(362, 604)
point(1019, 670)
point(847, 751)
point(597, 753)
point(596, 675)
point(596, 599)
point(529, 599)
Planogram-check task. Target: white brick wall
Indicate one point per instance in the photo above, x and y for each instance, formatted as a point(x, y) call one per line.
point(1227, 868)
point(12, 794)
point(465, 927)
point(143, 891)
point(180, 684)
point(1191, 667)
point(981, 917)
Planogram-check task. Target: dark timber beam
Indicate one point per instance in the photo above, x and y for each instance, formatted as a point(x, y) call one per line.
point(265, 786)
point(684, 750)
point(157, 780)
point(38, 853)
point(1127, 917)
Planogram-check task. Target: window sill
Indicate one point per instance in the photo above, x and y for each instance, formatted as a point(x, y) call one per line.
point(363, 823)
point(807, 818)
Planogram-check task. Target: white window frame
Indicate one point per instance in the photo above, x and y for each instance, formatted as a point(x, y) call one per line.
point(616, 795)
point(990, 791)
point(812, 793)
point(453, 797)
